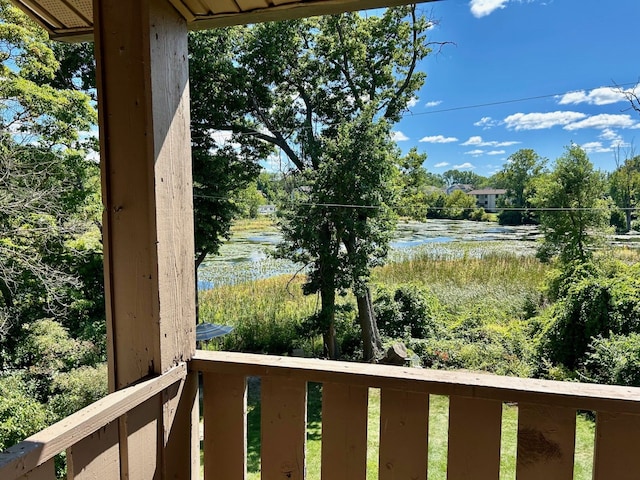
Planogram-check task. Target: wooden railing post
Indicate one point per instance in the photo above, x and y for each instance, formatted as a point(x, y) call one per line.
point(143, 103)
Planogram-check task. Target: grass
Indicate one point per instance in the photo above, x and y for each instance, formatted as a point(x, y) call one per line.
point(438, 441)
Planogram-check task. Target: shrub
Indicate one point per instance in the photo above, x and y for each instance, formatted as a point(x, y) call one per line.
point(76, 389)
point(591, 305)
point(412, 312)
point(614, 360)
point(618, 220)
point(20, 414)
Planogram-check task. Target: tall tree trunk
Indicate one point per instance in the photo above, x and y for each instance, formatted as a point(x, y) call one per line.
point(328, 320)
point(627, 213)
point(371, 342)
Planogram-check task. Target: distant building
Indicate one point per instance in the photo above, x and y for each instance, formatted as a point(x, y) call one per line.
point(458, 186)
point(266, 210)
point(487, 198)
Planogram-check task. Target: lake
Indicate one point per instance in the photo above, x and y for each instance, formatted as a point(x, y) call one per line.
point(245, 257)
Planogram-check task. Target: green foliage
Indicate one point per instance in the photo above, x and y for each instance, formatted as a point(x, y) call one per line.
point(618, 220)
point(624, 187)
point(614, 360)
point(74, 390)
point(46, 349)
point(578, 189)
point(409, 312)
point(463, 177)
point(518, 177)
point(591, 304)
point(20, 414)
point(459, 205)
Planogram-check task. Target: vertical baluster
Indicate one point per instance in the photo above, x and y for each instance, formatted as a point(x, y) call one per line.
point(474, 439)
point(95, 456)
point(283, 423)
point(139, 441)
point(617, 451)
point(404, 428)
point(546, 442)
point(225, 426)
point(344, 432)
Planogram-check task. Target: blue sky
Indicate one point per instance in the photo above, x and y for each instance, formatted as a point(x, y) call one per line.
point(567, 51)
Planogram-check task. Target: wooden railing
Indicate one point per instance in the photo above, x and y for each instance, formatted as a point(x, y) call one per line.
point(546, 420)
point(100, 439)
point(93, 438)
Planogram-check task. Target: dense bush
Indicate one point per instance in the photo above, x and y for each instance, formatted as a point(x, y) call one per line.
point(409, 312)
point(614, 360)
point(591, 304)
point(20, 414)
point(76, 389)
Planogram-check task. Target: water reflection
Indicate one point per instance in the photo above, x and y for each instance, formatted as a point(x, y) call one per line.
point(246, 257)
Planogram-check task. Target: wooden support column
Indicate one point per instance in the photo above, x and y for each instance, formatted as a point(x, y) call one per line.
point(143, 103)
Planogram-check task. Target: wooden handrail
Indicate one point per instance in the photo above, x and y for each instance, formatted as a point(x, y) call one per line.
point(582, 396)
point(44, 445)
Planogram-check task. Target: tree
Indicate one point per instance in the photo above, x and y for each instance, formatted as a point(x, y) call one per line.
point(463, 177)
point(225, 160)
point(624, 185)
point(575, 213)
point(415, 184)
point(300, 84)
point(517, 175)
point(45, 180)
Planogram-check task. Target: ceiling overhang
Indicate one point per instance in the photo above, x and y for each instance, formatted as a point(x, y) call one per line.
point(72, 20)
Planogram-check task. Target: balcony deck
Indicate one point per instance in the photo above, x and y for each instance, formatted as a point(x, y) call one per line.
point(95, 444)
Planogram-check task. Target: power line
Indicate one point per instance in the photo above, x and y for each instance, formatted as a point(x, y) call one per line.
point(515, 100)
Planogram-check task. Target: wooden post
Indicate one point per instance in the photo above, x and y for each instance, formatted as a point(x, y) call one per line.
point(143, 103)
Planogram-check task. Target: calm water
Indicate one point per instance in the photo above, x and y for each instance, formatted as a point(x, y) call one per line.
point(246, 255)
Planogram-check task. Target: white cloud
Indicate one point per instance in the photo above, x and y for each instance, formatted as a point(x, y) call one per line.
point(473, 141)
point(597, 96)
point(486, 123)
point(441, 164)
point(477, 141)
point(539, 121)
point(438, 139)
point(496, 152)
point(481, 8)
point(413, 101)
point(604, 121)
point(398, 136)
point(464, 166)
point(475, 153)
point(608, 134)
point(595, 147)
point(433, 103)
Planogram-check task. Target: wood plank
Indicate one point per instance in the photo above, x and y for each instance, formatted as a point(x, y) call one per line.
point(96, 456)
point(198, 7)
point(581, 396)
point(221, 6)
point(46, 471)
point(474, 438)
point(252, 4)
point(344, 432)
point(44, 445)
point(283, 410)
point(290, 11)
point(181, 429)
point(404, 429)
point(617, 449)
point(225, 426)
point(140, 445)
point(546, 442)
point(146, 187)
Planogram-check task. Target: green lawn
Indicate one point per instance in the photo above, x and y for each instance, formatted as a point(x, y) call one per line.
point(438, 426)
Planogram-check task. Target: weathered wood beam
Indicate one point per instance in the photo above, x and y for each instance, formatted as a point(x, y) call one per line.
point(143, 105)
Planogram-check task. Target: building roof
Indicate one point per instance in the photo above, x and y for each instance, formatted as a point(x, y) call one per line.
point(72, 20)
point(488, 191)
